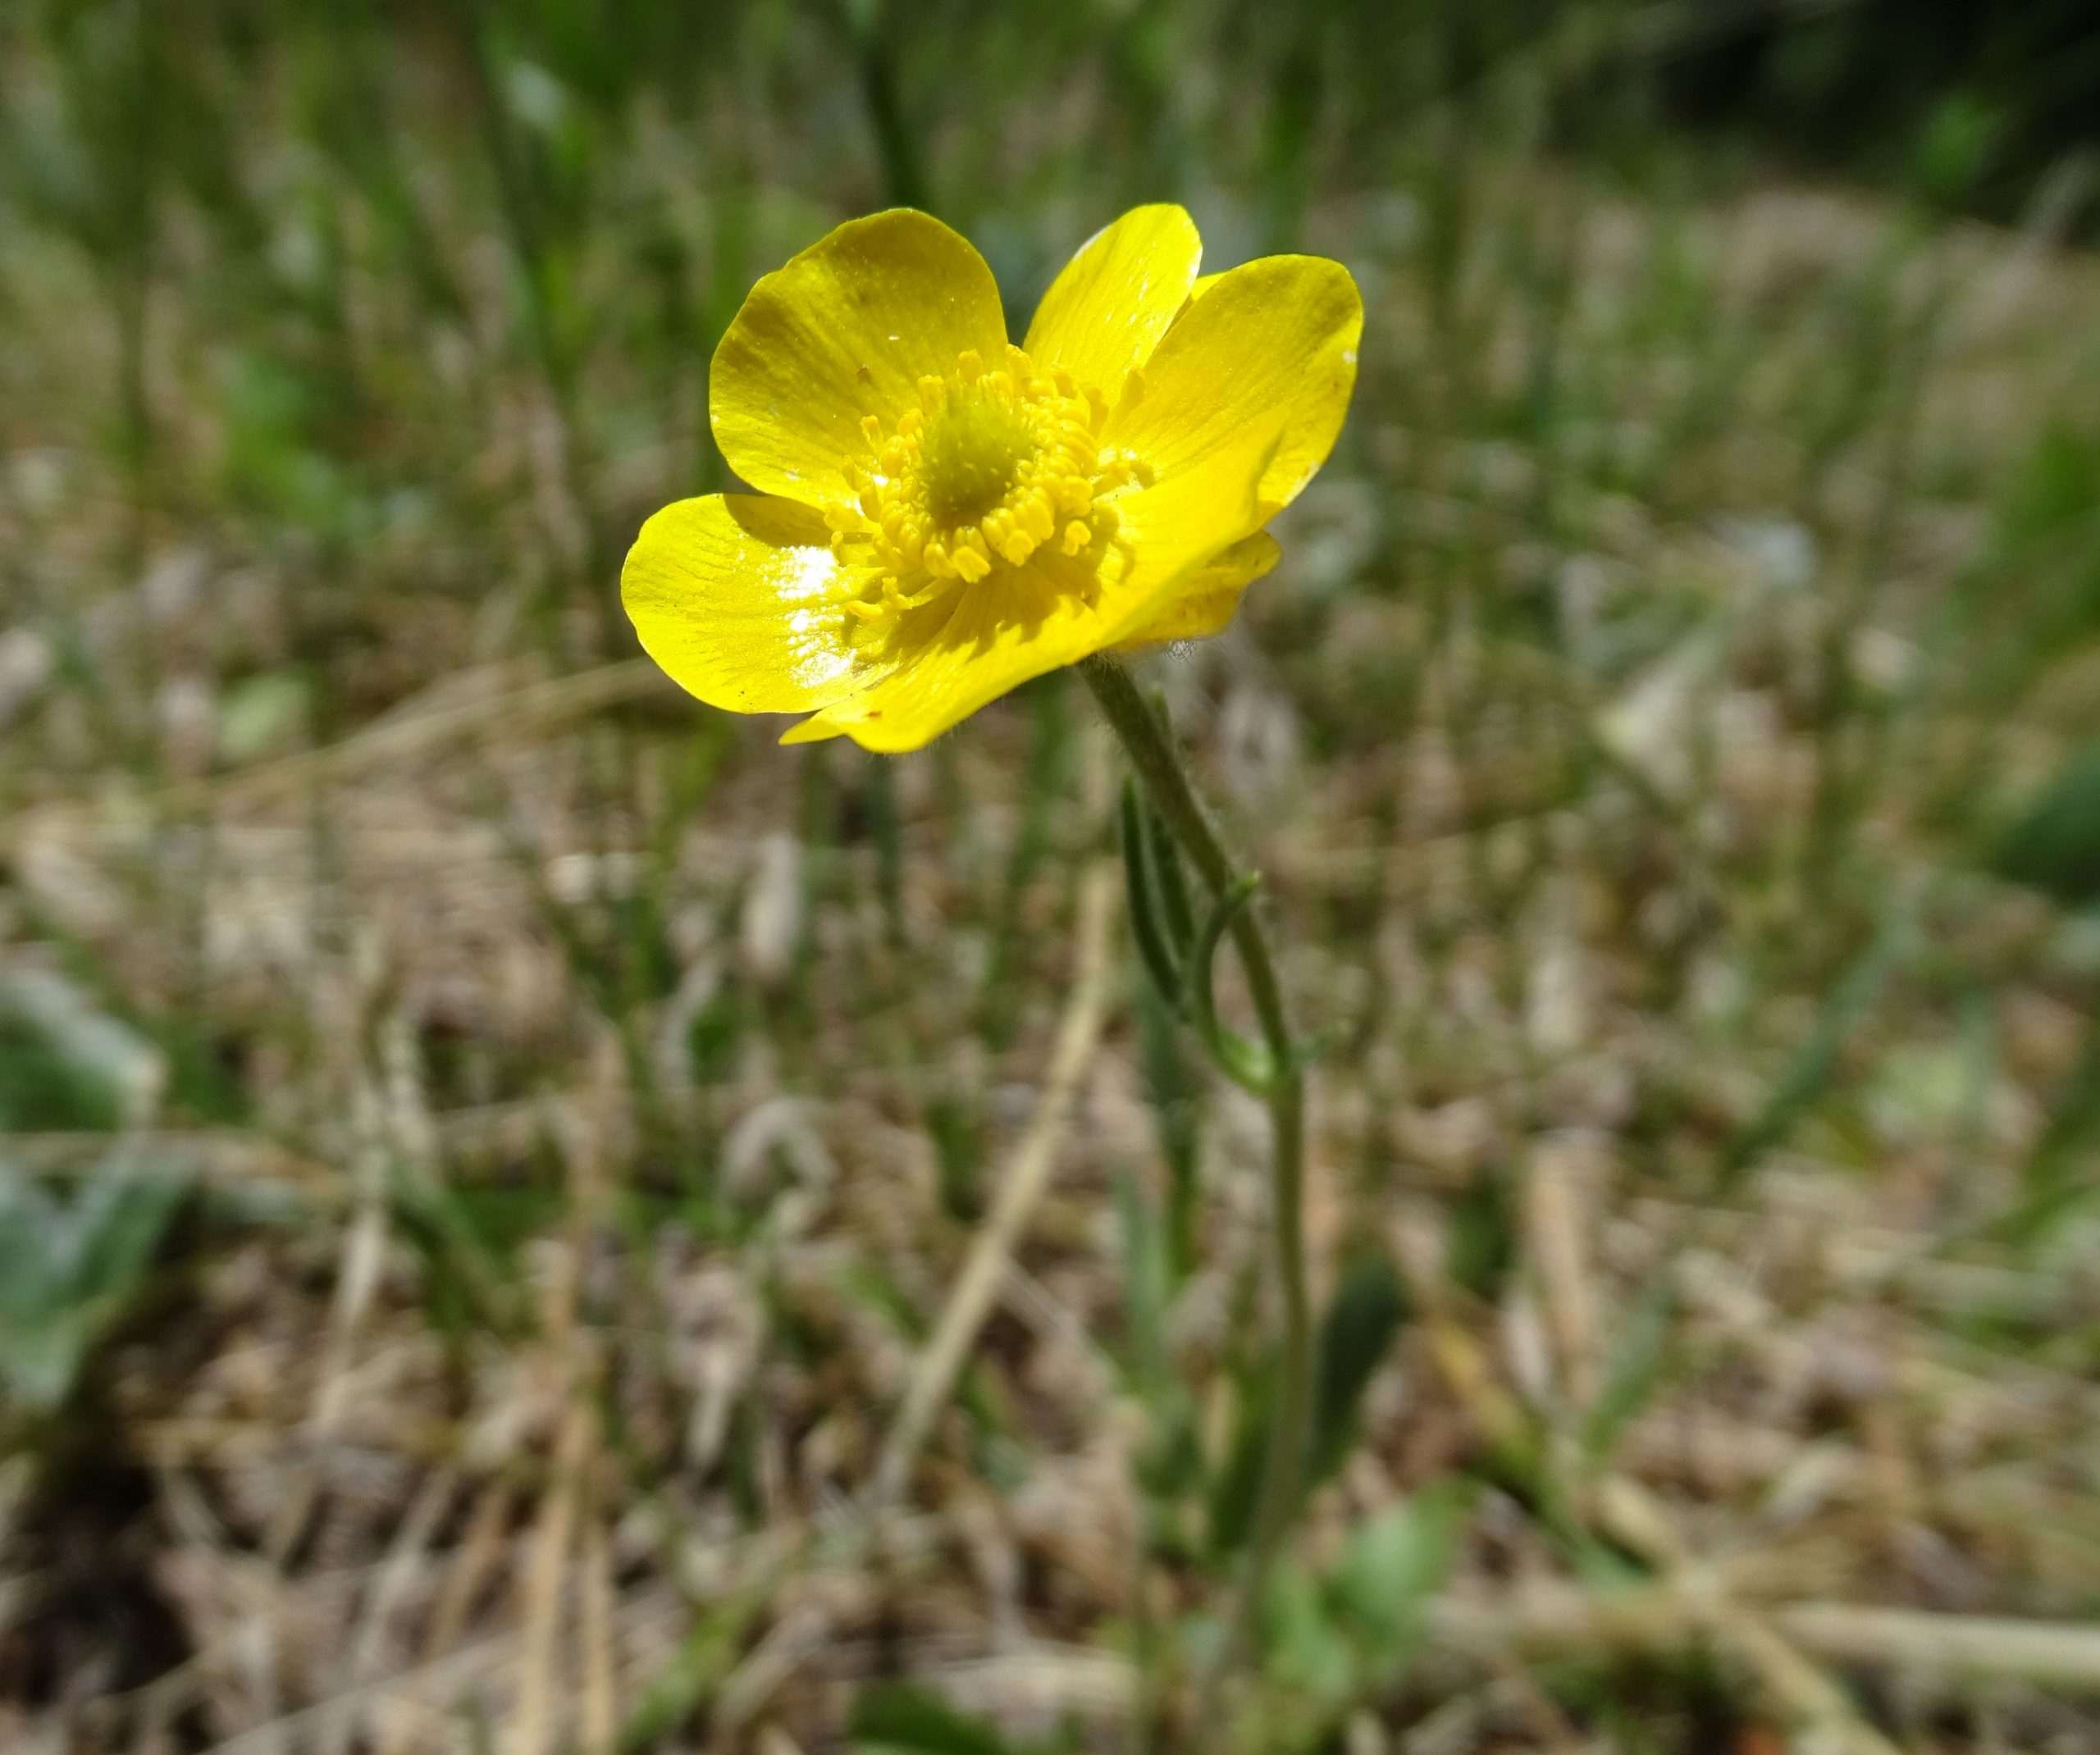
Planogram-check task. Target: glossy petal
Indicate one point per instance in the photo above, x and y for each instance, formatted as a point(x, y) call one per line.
point(1109, 308)
point(1173, 529)
point(847, 329)
point(1209, 599)
point(731, 595)
point(954, 657)
point(1265, 354)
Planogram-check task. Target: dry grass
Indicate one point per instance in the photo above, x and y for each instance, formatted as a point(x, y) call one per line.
point(617, 1108)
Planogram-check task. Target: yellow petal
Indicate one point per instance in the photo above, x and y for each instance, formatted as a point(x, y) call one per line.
point(1111, 303)
point(953, 657)
point(730, 595)
point(1267, 353)
point(1205, 603)
point(1168, 532)
point(966, 651)
point(947, 660)
point(845, 330)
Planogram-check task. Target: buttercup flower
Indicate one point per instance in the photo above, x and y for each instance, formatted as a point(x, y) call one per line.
point(941, 515)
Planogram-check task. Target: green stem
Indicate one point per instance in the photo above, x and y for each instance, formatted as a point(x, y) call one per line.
point(1150, 748)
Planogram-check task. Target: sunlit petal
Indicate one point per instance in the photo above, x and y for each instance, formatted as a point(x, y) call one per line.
point(967, 651)
point(1109, 305)
point(1266, 355)
point(845, 330)
point(1208, 598)
point(734, 595)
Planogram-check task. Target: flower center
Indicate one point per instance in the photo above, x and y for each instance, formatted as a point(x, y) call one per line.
point(988, 468)
point(971, 449)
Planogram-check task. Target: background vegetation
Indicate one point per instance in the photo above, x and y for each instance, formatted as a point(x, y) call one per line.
point(488, 1143)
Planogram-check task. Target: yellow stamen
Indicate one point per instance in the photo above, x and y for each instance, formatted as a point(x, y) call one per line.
point(987, 469)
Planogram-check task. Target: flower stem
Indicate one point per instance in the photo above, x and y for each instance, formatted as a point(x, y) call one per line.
point(1149, 744)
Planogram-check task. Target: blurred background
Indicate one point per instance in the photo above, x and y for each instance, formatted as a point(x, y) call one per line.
point(488, 1140)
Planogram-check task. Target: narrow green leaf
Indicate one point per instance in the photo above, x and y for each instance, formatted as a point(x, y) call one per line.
point(898, 1718)
point(2053, 846)
point(70, 1267)
point(1813, 1065)
point(2056, 1183)
point(1303, 1647)
point(1390, 1566)
point(1144, 1279)
point(1238, 1483)
point(1176, 914)
point(1144, 917)
point(1370, 1305)
point(1482, 1243)
point(688, 1679)
point(1639, 1361)
point(1243, 1062)
point(1177, 1091)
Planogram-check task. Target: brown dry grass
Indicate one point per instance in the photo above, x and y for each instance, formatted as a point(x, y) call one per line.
point(355, 1485)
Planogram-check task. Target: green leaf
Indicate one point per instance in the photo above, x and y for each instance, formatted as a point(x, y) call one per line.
point(688, 1679)
point(1147, 1276)
point(1369, 1307)
point(1247, 1064)
point(1145, 927)
point(42, 1090)
point(1813, 1065)
point(1303, 1648)
point(466, 1277)
point(70, 1268)
point(2056, 1188)
point(1391, 1566)
point(900, 1718)
point(1176, 912)
point(65, 1062)
point(2053, 846)
point(1238, 1484)
point(1177, 1091)
point(1640, 1360)
point(1956, 146)
point(1482, 1244)
point(957, 1130)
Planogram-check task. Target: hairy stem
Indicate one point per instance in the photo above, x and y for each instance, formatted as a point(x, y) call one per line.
point(1149, 744)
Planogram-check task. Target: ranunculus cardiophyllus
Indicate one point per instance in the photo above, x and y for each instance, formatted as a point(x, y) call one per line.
point(941, 515)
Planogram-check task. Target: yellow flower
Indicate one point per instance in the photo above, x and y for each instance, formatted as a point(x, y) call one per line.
point(941, 515)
